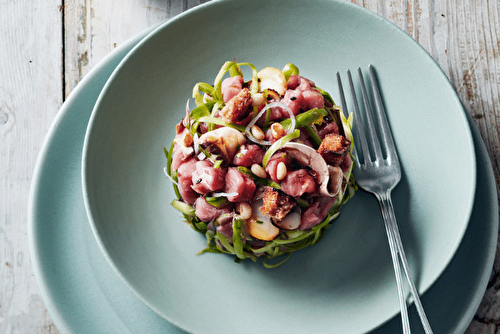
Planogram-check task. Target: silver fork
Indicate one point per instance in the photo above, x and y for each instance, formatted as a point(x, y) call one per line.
point(378, 171)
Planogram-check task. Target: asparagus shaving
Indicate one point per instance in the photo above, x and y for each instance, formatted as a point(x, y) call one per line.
point(199, 89)
point(289, 70)
point(265, 182)
point(254, 87)
point(217, 93)
point(219, 121)
point(217, 202)
point(183, 207)
point(277, 145)
point(237, 240)
point(314, 135)
point(313, 116)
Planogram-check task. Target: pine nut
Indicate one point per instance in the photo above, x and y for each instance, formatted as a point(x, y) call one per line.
point(244, 210)
point(258, 170)
point(277, 130)
point(258, 133)
point(281, 171)
point(257, 99)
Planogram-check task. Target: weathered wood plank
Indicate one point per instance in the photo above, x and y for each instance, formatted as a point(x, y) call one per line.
point(464, 39)
point(474, 70)
point(93, 28)
point(30, 96)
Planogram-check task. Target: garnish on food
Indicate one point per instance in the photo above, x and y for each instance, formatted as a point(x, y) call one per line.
point(262, 165)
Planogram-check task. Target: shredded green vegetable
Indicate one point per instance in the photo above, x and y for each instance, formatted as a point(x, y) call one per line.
point(263, 181)
point(237, 240)
point(219, 121)
point(183, 207)
point(314, 136)
point(217, 202)
point(313, 116)
point(289, 70)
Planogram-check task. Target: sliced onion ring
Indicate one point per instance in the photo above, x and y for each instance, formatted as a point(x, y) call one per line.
point(248, 129)
point(170, 178)
point(186, 121)
point(225, 194)
point(195, 144)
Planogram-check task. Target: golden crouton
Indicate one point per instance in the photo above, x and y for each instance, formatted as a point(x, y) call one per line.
point(276, 203)
point(334, 148)
point(238, 107)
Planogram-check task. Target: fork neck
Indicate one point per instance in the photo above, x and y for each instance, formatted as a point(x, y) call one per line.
point(386, 206)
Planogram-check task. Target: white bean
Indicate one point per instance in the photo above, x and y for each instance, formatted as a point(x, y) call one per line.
point(258, 170)
point(257, 99)
point(258, 133)
point(244, 210)
point(281, 171)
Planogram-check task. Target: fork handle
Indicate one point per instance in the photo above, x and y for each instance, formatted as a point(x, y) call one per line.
point(389, 217)
point(397, 253)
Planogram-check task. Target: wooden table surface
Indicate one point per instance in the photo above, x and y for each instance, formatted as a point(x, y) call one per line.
point(47, 47)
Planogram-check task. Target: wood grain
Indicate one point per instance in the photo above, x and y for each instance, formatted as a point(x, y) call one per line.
point(30, 96)
point(93, 28)
point(48, 46)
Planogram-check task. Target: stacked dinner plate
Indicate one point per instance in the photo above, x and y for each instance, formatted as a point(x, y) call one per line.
point(112, 256)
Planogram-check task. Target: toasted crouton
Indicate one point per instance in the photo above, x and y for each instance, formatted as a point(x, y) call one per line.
point(238, 107)
point(276, 203)
point(334, 148)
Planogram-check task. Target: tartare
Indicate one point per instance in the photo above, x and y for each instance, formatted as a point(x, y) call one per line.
point(261, 166)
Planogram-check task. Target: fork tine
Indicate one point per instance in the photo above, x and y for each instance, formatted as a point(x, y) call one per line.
point(369, 119)
point(343, 104)
point(358, 123)
point(382, 117)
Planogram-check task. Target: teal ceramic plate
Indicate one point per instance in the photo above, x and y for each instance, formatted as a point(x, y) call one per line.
point(348, 276)
point(84, 295)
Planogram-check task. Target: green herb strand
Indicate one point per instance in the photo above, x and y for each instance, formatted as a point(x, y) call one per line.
point(278, 144)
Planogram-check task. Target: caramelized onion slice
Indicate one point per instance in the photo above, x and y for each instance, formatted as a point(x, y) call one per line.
point(226, 140)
